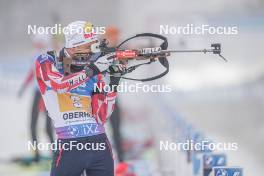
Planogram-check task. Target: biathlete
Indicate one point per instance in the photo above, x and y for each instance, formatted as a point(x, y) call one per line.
point(78, 108)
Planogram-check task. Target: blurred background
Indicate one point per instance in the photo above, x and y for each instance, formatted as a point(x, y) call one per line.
point(222, 100)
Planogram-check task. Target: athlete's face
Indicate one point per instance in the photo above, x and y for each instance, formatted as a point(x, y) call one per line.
point(80, 56)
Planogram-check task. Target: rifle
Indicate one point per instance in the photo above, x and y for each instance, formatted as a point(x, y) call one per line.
point(152, 54)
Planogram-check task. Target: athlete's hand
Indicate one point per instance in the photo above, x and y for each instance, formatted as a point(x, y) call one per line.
point(100, 65)
point(104, 62)
point(116, 72)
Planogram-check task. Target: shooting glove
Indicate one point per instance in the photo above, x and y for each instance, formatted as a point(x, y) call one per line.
point(100, 65)
point(115, 75)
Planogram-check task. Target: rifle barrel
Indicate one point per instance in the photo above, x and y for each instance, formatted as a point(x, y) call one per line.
point(188, 51)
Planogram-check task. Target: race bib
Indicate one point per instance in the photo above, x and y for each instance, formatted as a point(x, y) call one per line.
point(72, 102)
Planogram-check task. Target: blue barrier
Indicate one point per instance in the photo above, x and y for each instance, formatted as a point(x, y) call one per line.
point(211, 160)
point(204, 162)
point(227, 171)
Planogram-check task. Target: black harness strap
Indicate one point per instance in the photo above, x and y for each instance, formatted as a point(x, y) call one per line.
point(163, 60)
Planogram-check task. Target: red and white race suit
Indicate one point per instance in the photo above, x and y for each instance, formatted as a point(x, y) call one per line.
point(75, 108)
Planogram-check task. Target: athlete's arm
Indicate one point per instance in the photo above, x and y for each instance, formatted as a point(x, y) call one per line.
point(102, 102)
point(48, 76)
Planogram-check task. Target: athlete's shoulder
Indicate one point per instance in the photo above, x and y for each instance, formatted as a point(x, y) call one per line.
point(45, 57)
